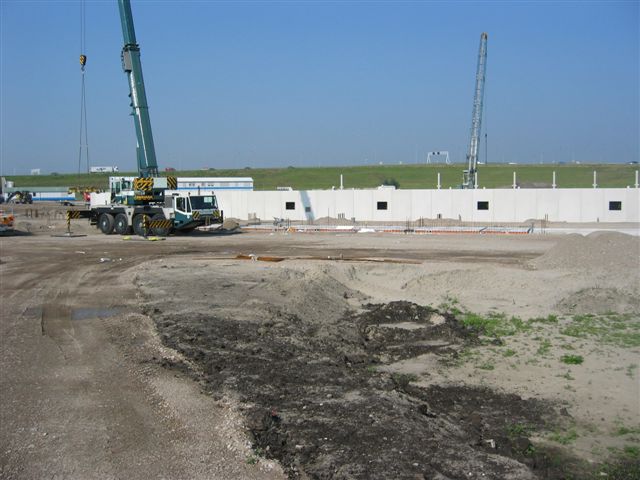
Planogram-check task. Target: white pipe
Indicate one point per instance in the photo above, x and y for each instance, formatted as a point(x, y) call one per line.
point(439, 180)
point(595, 183)
point(636, 178)
point(553, 184)
point(341, 186)
point(514, 181)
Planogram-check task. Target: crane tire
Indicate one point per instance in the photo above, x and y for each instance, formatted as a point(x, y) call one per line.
point(138, 224)
point(122, 226)
point(106, 223)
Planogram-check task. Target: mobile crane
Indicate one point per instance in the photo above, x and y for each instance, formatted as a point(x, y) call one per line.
point(147, 203)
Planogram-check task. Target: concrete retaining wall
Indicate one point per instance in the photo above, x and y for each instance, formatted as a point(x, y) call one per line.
point(502, 205)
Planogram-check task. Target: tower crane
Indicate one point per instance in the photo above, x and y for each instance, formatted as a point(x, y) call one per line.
point(470, 179)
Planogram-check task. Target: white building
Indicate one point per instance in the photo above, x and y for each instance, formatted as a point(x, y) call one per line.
point(481, 205)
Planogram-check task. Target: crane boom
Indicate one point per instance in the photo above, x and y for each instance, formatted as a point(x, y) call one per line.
point(145, 150)
point(470, 179)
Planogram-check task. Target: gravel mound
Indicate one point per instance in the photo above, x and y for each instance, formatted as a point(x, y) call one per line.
point(230, 225)
point(598, 250)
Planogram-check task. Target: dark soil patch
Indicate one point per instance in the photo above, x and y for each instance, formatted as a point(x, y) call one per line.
point(318, 404)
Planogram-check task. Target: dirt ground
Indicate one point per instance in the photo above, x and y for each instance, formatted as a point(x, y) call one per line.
point(355, 356)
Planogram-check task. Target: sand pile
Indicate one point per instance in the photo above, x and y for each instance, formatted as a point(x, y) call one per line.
point(230, 225)
point(598, 250)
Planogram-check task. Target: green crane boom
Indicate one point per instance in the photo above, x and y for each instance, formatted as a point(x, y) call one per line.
point(146, 152)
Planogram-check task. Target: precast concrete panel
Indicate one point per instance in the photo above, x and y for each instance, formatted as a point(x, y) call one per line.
point(615, 195)
point(546, 204)
point(525, 205)
point(592, 204)
point(632, 205)
point(505, 205)
point(420, 204)
point(569, 209)
point(463, 201)
point(482, 197)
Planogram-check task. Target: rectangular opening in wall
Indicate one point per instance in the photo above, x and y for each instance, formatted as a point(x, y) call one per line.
point(382, 206)
point(483, 205)
point(307, 209)
point(615, 206)
point(290, 205)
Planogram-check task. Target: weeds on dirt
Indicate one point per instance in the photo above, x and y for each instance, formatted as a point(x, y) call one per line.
point(494, 324)
point(623, 465)
point(403, 379)
point(544, 347)
point(564, 438)
point(631, 370)
point(566, 376)
point(450, 305)
point(616, 329)
point(632, 451)
point(486, 366)
point(550, 319)
point(572, 359)
point(624, 430)
point(519, 429)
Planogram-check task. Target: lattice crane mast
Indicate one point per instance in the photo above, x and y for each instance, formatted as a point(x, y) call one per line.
point(470, 174)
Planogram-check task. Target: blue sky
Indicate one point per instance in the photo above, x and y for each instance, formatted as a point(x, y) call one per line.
point(236, 84)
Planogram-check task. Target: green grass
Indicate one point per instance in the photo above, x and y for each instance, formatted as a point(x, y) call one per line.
point(572, 359)
point(624, 430)
point(564, 438)
point(551, 319)
point(616, 329)
point(519, 429)
point(632, 451)
point(486, 366)
point(544, 347)
point(369, 176)
point(494, 324)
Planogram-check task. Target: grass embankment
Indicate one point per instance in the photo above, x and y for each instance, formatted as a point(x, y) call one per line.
point(370, 176)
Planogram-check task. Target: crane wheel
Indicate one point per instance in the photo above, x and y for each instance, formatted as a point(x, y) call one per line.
point(139, 223)
point(122, 224)
point(106, 223)
point(160, 225)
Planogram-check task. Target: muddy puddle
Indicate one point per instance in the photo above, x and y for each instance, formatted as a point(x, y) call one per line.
point(319, 402)
point(93, 312)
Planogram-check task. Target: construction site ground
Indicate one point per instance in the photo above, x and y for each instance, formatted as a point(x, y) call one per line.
point(274, 355)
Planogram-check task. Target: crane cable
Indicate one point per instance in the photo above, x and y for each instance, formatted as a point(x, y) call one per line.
point(83, 103)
